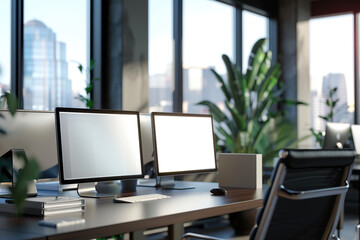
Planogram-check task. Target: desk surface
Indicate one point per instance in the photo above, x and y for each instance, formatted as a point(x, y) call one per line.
point(105, 218)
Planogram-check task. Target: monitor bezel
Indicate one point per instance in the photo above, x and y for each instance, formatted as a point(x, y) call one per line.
point(158, 173)
point(62, 180)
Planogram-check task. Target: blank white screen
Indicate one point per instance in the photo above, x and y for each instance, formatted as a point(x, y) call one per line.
point(184, 143)
point(98, 145)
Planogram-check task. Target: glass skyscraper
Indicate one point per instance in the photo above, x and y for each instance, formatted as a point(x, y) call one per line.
point(46, 82)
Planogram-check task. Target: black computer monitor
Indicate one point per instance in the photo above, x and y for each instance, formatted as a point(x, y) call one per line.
point(97, 146)
point(183, 144)
point(34, 132)
point(336, 135)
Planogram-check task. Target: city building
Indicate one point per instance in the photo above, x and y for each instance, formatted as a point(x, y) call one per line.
point(46, 82)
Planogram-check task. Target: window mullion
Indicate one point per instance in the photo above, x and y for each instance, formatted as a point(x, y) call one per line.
point(17, 49)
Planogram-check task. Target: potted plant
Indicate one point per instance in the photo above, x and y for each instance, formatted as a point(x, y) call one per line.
point(251, 122)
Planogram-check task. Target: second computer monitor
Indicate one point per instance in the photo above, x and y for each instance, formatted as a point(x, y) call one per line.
point(337, 134)
point(183, 143)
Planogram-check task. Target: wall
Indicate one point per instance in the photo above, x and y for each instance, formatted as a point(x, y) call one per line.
point(294, 18)
point(125, 55)
point(135, 53)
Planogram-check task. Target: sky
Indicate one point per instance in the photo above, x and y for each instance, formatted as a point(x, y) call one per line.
point(67, 18)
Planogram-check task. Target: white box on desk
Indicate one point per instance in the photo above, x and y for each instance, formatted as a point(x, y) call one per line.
point(240, 170)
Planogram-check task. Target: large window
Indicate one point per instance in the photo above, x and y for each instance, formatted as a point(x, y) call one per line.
point(5, 48)
point(208, 32)
point(254, 27)
point(160, 56)
point(55, 43)
point(332, 67)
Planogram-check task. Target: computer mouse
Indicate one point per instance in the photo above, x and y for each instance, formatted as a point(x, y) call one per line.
point(218, 191)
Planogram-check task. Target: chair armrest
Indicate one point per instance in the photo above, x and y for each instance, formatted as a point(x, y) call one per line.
point(299, 195)
point(198, 236)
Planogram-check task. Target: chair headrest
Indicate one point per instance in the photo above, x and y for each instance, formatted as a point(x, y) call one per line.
point(310, 158)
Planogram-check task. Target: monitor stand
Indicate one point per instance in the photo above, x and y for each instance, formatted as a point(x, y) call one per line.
point(107, 189)
point(90, 190)
point(168, 182)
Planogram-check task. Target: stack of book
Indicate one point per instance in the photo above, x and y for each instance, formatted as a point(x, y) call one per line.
point(45, 206)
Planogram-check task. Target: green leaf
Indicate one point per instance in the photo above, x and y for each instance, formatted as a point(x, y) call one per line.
point(233, 83)
point(260, 133)
point(291, 102)
point(224, 88)
point(80, 67)
point(318, 136)
point(334, 103)
point(262, 108)
point(29, 172)
point(270, 81)
point(11, 102)
point(257, 55)
point(228, 139)
point(238, 119)
point(89, 88)
point(266, 91)
point(244, 93)
point(89, 103)
point(218, 115)
point(327, 102)
point(264, 68)
point(91, 64)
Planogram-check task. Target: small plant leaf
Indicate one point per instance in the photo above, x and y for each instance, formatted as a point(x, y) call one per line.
point(11, 102)
point(80, 67)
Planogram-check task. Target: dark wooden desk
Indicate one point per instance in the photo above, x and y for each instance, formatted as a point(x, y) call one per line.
point(105, 218)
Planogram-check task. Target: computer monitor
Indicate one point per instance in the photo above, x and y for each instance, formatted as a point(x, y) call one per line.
point(34, 132)
point(355, 131)
point(97, 146)
point(147, 144)
point(183, 144)
point(337, 135)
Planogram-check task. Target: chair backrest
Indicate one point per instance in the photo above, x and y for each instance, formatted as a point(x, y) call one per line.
point(306, 196)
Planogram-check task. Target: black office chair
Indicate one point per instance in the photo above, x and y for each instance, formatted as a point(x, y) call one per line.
point(306, 195)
